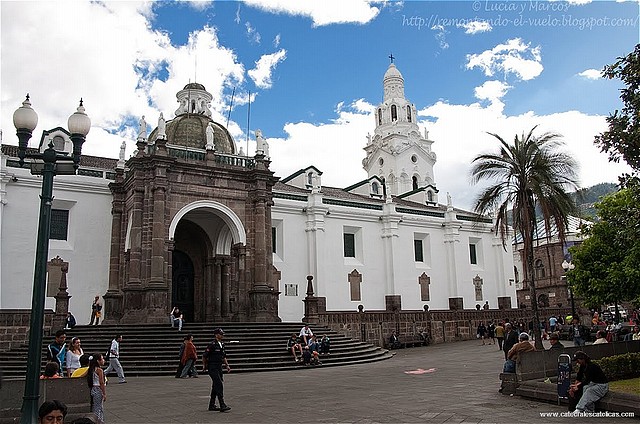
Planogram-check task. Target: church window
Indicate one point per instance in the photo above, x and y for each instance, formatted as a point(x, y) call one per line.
point(193, 106)
point(409, 113)
point(290, 289)
point(394, 113)
point(473, 254)
point(374, 188)
point(414, 181)
point(429, 196)
point(379, 116)
point(349, 245)
point(59, 224)
point(418, 251)
point(414, 158)
point(310, 179)
point(539, 269)
point(274, 243)
point(58, 143)
point(381, 161)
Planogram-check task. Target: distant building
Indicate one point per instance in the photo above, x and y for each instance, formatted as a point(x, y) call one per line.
point(548, 255)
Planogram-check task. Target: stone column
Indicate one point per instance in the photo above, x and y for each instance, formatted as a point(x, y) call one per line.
point(209, 294)
point(226, 287)
point(217, 289)
point(157, 278)
point(135, 239)
point(310, 304)
point(112, 310)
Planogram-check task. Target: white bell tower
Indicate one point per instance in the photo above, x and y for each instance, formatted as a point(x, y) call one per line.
point(398, 153)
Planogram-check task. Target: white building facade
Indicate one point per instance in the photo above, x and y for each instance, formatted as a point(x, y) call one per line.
point(380, 243)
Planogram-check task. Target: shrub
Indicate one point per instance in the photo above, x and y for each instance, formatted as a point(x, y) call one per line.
point(620, 367)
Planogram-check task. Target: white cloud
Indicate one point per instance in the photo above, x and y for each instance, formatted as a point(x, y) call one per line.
point(252, 34)
point(492, 91)
point(237, 18)
point(276, 41)
point(321, 12)
point(261, 74)
point(592, 74)
point(199, 5)
point(515, 57)
point(116, 72)
point(441, 36)
point(475, 27)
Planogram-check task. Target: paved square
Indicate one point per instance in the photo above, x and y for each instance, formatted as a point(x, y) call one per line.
point(458, 384)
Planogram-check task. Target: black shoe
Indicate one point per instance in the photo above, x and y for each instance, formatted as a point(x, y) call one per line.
point(213, 408)
point(224, 408)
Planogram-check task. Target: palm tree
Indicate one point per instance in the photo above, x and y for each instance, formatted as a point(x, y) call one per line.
point(526, 175)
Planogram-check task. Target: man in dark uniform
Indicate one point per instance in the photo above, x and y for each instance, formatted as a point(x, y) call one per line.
point(510, 339)
point(213, 358)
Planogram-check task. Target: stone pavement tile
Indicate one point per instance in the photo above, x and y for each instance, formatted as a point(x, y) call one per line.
point(459, 385)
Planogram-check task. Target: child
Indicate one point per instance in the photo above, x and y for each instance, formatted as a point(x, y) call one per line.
point(95, 380)
point(306, 356)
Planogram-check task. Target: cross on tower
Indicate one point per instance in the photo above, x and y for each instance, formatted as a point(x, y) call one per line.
point(391, 57)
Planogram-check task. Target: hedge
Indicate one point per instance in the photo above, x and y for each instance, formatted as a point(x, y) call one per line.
point(620, 367)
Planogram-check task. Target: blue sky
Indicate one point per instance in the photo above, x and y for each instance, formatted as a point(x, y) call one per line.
point(315, 73)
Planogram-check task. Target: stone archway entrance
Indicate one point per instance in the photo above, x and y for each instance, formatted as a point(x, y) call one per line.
point(207, 280)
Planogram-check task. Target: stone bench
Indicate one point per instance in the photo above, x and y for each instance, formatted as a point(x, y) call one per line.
point(407, 340)
point(73, 392)
point(533, 367)
point(548, 392)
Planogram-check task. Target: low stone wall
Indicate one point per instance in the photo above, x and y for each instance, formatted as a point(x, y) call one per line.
point(14, 326)
point(541, 364)
point(444, 326)
point(73, 392)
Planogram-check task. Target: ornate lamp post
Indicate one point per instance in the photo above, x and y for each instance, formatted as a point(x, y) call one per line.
point(48, 164)
point(568, 266)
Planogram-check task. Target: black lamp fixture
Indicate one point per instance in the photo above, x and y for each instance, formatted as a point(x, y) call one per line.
point(48, 164)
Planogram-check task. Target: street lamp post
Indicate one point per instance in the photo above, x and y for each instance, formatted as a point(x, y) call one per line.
point(48, 164)
point(568, 266)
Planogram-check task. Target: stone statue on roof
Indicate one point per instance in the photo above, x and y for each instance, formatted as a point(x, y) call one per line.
point(142, 133)
point(262, 147)
point(162, 127)
point(210, 144)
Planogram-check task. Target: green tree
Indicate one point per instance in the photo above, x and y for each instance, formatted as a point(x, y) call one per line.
point(607, 263)
point(529, 173)
point(622, 140)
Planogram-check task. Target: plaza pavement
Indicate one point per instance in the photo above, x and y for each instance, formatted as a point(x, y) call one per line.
point(460, 385)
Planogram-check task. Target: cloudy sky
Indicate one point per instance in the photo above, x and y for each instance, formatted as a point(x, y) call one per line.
point(313, 71)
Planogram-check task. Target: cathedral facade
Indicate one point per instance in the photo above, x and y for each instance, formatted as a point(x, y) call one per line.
point(189, 221)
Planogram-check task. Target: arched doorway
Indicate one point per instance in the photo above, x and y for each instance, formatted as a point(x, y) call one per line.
point(182, 284)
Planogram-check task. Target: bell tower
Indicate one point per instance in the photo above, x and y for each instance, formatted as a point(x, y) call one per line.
point(398, 153)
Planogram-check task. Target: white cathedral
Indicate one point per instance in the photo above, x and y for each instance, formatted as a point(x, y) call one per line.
point(381, 240)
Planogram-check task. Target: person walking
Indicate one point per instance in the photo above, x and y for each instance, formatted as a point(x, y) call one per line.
point(96, 311)
point(114, 359)
point(189, 358)
point(500, 335)
point(96, 382)
point(213, 358)
point(510, 339)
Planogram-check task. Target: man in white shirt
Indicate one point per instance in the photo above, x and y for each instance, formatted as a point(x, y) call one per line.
point(305, 334)
point(114, 361)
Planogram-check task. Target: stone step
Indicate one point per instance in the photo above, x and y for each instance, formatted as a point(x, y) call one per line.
point(152, 349)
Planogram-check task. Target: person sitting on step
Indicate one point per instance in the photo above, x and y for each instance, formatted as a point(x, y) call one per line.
point(292, 345)
point(314, 347)
point(176, 318)
point(325, 345)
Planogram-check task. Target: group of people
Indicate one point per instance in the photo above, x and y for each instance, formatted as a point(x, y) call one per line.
point(70, 361)
point(309, 347)
point(486, 333)
point(591, 383)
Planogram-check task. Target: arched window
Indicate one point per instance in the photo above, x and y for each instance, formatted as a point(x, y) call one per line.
point(429, 196)
point(394, 113)
point(310, 179)
point(374, 188)
point(193, 106)
point(379, 116)
point(414, 181)
point(409, 113)
point(538, 266)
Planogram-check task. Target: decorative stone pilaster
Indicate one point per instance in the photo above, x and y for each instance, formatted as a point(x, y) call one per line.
point(62, 297)
point(310, 304)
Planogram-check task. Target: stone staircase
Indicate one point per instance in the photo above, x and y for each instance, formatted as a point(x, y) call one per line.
point(152, 349)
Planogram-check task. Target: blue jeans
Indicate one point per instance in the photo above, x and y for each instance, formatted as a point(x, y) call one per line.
point(509, 366)
point(578, 341)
